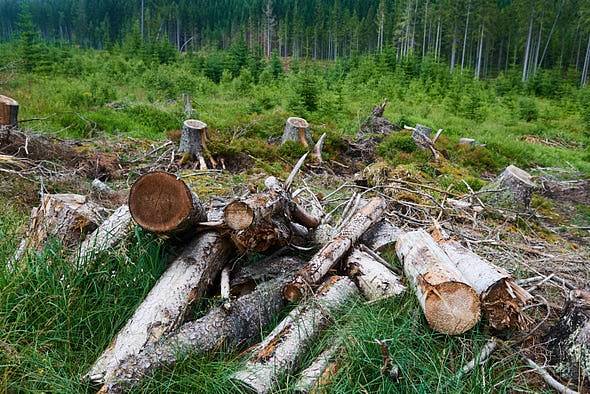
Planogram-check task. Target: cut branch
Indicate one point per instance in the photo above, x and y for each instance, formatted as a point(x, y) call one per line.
point(318, 375)
point(381, 235)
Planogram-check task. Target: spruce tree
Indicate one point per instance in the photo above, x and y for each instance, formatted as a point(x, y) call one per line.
point(28, 45)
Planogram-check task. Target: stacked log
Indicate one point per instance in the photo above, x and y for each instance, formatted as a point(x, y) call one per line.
point(318, 375)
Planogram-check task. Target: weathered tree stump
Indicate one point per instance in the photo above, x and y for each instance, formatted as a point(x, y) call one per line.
point(297, 129)
point(193, 141)
point(450, 304)
point(163, 204)
point(375, 280)
point(8, 111)
point(501, 298)
point(280, 352)
point(421, 136)
point(569, 339)
point(512, 189)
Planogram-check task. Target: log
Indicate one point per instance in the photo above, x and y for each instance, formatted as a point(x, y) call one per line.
point(161, 203)
point(163, 310)
point(265, 219)
point(569, 339)
point(333, 251)
point(8, 111)
point(297, 129)
point(193, 141)
point(375, 280)
point(219, 328)
point(381, 235)
point(282, 349)
point(512, 189)
point(109, 234)
point(501, 298)
point(318, 375)
point(450, 305)
point(66, 218)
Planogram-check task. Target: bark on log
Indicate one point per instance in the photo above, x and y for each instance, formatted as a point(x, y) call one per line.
point(332, 252)
point(576, 191)
point(163, 310)
point(163, 204)
point(8, 111)
point(315, 377)
point(280, 352)
point(451, 306)
point(265, 219)
point(501, 298)
point(569, 339)
point(375, 280)
point(297, 129)
point(381, 235)
point(512, 189)
point(219, 328)
point(112, 231)
point(193, 141)
point(66, 218)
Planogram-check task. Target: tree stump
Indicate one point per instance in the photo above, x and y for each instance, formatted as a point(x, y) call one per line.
point(569, 339)
point(163, 204)
point(421, 136)
point(297, 129)
point(8, 111)
point(512, 189)
point(193, 142)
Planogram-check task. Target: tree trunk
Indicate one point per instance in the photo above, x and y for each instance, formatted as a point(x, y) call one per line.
point(163, 204)
point(8, 111)
point(512, 189)
point(465, 37)
point(332, 252)
point(280, 352)
point(67, 218)
point(569, 339)
point(219, 328)
point(375, 280)
point(317, 376)
point(527, 50)
point(193, 141)
point(297, 129)
point(186, 280)
point(112, 231)
point(450, 305)
point(501, 298)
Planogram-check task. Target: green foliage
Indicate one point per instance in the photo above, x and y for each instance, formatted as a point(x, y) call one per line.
point(30, 48)
point(400, 148)
point(306, 92)
point(276, 66)
point(237, 58)
point(527, 109)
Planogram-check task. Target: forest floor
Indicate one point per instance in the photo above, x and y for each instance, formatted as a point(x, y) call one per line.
point(56, 319)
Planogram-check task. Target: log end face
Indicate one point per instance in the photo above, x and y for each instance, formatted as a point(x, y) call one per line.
point(159, 202)
point(502, 306)
point(238, 215)
point(292, 292)
point(452, 308)
point(194, 124)
point(298, 123)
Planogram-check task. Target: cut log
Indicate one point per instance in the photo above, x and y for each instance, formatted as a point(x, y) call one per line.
point(333, 251)
point(265, 219)
point(280, 352)
point(163, 204)
point(317, 376)
point(450, 304)
point(163, 310)
point(381, 235)
point(512, 189)
point(8, 111)
point(111, 232)
point(66, 218)
point(219, 328)
point(297, 129)
point(375, 280)
point(569, 339)
point(193, 141)
point(501, 298)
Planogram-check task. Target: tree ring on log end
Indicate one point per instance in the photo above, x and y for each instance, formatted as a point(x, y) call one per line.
point(291, 292)
point(452, 308)
point(521, 175)
point(159, 202)
point(298, 122)
point(238, 215)
point(195, 124)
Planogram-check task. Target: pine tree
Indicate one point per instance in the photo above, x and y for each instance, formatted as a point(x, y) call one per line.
point(276, 67)
point(28, 46)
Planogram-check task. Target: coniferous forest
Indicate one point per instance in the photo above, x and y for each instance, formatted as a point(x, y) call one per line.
point(294, 196)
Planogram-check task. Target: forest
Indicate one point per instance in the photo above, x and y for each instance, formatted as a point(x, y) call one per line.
point(306, 196)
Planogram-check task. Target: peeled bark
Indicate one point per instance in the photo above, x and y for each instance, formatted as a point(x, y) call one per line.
point(163, 204)
point(193, 141)
point(8, 111)
point(111, 232)
point(381, 235)
point(67, 218)
point(512, 189)
point(220, 328)
point(280, 352)
point(375, 280)
point(333, 251)
point(501, 298)
point(163, 310)
point(319, 373)
point(297, 129)
point(569, 339)
point(451, 306)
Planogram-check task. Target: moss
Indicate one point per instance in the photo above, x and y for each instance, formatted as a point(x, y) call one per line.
point(400, 148)
point(292, 150)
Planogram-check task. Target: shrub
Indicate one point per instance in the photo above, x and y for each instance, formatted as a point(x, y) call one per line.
point(306, 92)
point(527, 109)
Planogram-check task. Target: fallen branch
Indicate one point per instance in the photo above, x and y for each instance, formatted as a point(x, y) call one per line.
point(560, 388)
point(485, 353)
